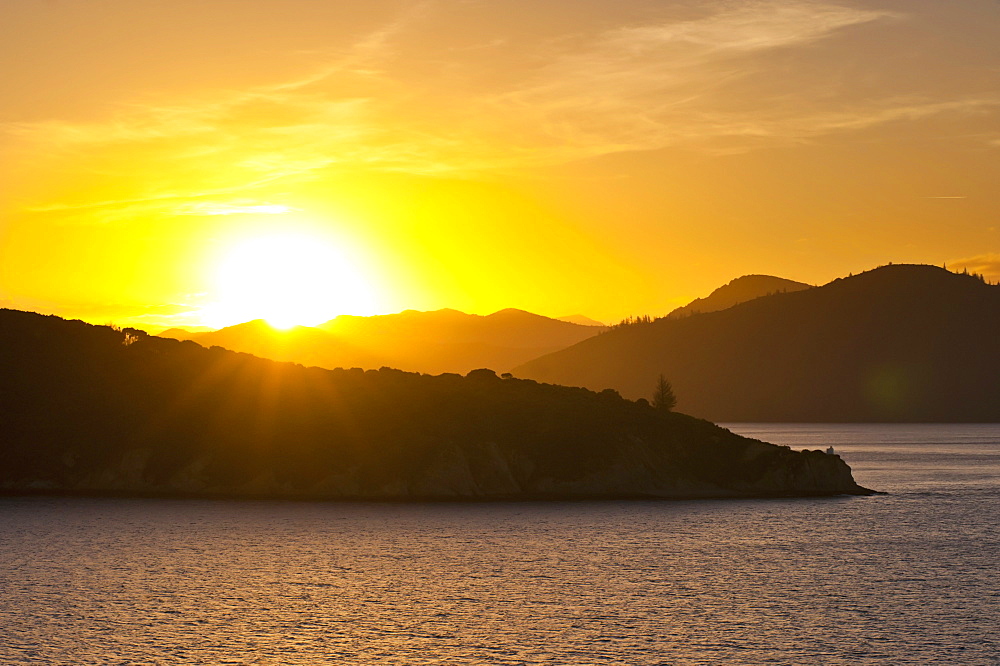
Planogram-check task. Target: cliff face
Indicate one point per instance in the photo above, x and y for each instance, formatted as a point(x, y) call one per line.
point(87, 409)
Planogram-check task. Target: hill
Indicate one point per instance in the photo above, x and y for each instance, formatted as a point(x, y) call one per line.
point(300, 344)
point(581, 319)
point(184, 333)
point(93, 409)
point(177, 333)
point(740, 290)
point(898, 343)
point(429, 342)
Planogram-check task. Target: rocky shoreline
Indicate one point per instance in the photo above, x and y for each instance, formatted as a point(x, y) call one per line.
point(456, 475)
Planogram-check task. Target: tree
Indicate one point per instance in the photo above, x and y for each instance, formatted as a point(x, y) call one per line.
point(664, 398)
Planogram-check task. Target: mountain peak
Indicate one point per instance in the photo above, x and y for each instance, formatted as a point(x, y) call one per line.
point(738, 290)
point(514, 312)
point(582, 320)
point(900, 343)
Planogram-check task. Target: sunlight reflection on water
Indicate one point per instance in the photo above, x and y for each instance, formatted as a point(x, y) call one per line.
point(904, 578)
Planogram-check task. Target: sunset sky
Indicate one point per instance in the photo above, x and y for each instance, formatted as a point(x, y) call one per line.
point(184, 162)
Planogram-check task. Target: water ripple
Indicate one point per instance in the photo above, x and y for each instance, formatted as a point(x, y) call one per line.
point(907, 578)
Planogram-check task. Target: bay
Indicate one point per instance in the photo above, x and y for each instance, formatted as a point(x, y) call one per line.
point(908, 577)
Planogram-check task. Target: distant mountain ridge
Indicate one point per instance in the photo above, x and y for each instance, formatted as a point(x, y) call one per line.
point(583, 320)
point(899, 343)
point(430, 342)
point(300, 344)
point(183, 333)
point(740, 290)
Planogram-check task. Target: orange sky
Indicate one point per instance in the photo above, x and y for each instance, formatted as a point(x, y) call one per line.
point(606, 158)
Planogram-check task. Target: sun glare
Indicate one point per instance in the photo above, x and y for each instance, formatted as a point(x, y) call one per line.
point(288, 280)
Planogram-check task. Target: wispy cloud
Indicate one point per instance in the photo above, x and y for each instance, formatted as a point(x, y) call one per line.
point(218, 208)
point(629, 88)
point(106, 312)
point(987, 265)
point(710, 83)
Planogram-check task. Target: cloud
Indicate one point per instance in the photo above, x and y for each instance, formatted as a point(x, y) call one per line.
point(713, 84)
point(987, 265)
point(650, 86)
point(896, 109)
point(217, 208)
point(628, 88)
point(111, 211)
point(105, 312)
point(641, 55)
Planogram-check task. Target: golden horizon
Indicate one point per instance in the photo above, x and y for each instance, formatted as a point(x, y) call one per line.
point(618, 161)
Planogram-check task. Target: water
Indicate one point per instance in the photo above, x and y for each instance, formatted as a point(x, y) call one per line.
point(904, 578)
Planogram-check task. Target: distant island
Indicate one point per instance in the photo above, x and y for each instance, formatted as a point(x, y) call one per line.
point(900, 343)
point(97, 410)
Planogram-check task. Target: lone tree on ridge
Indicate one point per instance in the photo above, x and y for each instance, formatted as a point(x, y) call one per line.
point(664, 398)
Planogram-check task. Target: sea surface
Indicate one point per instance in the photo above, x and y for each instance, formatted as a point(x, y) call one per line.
point(909, 577)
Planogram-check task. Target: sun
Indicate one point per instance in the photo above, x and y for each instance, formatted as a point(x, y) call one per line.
point(287, 279)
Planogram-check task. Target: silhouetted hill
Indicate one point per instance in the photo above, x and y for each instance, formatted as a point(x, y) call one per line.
point(182, 333)
point(300, 344)
point(899, 343)
point(510, 328)
point(581, 319)
point(428, 342)
point(92, 409)
point(452, 341)
point(740, 290)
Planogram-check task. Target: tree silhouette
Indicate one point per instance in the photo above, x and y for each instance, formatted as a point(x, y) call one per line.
point(664, 398)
